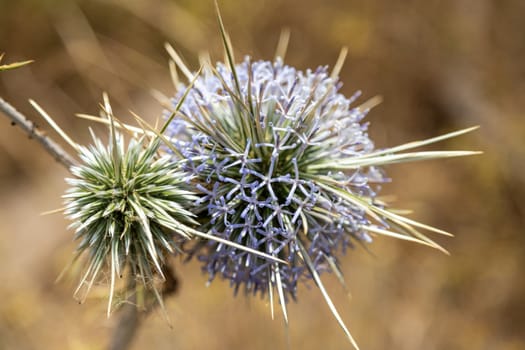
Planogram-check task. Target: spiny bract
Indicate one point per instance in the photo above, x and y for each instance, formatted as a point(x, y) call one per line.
point(126, 204)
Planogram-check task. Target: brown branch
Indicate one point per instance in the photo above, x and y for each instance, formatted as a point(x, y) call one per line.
point(128, 322)
point(54, 149)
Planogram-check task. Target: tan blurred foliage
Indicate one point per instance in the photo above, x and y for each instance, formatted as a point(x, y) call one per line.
point(439, 65)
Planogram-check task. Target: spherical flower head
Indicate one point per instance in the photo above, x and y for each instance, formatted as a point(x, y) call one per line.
point(127, 205)
point(260, 141)
point(285, 167)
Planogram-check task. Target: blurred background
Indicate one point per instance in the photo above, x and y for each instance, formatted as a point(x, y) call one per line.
point(439, 66)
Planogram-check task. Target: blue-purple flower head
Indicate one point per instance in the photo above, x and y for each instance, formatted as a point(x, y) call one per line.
point(258, 151)
point(284, 165)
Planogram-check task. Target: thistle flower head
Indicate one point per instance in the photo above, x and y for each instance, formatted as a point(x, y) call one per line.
point(257, 153)
point(284, 166)
point(126, 204)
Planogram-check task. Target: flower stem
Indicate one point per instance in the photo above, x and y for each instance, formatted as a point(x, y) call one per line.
point(130, 317)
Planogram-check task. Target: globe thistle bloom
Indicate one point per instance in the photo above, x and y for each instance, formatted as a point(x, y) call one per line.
point(284, 166)
point(255, 153)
